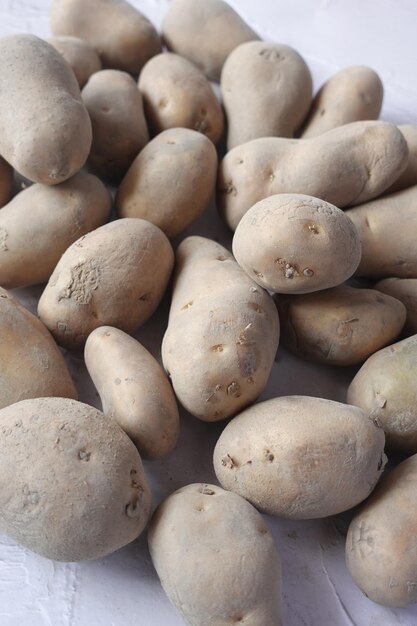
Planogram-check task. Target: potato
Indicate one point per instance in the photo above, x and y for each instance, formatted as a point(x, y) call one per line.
point(344, 166)
point(45, 130)
point(380, 545)
point(72, 482)
point(82, 58)
point(115, 276)
point(301, 457)
point(409, 176)
point(134, 390)
point(32, 364)
point(291, 243)
point(222, 334)
point(147, 191)
point(115, 106)
point(351, 95)
point(123, 37)
point(205, 32)
point(267, 91)
point(405, 290)
point(6, 182)
point(41, 222)
point(177, 94)
point(339, 326)
point(216, 558)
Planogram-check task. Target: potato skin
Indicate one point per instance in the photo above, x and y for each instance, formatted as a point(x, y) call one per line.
point(405, 290)
point(299, 457)
point(202, 523)
point(380, 545)
point(134, 390)
point(82, 58)
point(147, 192)
point(292, 243)
point(409, 176)
point(34, 73)
point(41, 222)
point(222, 334)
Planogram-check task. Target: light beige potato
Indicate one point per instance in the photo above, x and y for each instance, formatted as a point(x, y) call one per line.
point(123, 37)
point(45, 130)
point(32, 365)
point(409, 176)
point(41, 222)
point(147, 191)
point(299, 457)
point(351, 95)
point(205, 32)
point(177, 94)
point(216, 559)
point(134, 390)
point(292, 243)
point(73, 486)
point(120, 131)
point(114, 276)
point(82, 58)
point(405, 290)
point(267, 91)
point(222, 334)
point(339, 326)
point(345, 166)
point(380, 545)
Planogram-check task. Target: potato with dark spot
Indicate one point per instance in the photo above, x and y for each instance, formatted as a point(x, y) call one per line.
point(405, 290)
point(409, 176)
point(82, 58)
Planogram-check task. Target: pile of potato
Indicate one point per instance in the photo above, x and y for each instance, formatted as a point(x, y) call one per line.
point(323, 202)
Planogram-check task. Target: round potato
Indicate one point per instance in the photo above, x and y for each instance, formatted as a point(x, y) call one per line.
point(409, 176)
point(405, 290)
point(6, 182)
point(82, 58)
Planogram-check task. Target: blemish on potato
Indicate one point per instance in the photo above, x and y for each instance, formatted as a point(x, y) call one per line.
point(218, 348)
point(117, 381)
point(205, 489)
point(84, 456)
point(187, 306)
point(234, 389)
point(3, 238)
point(85, 278)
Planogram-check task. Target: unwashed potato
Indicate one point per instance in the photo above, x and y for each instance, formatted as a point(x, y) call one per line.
point(292, 243)
point(6, 182)
point(147, 190)
point(205, 32)
point(345, 166)
point(177, 94)
point(216, 559)
point(82, 58)
point(116, 276)
point(222, 334)
point(380, 545)
point(134, 390)
point(267, 91)
point(72, 481)
point(405, 290)
point(299, 457)
point(41, 222)
point(32, 366)
point(351, 95)
point(123, 37)
point(115, 106)
point(409, 176)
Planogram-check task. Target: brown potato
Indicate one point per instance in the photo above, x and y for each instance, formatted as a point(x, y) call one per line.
point(409, 176)
point(405, 290)
point(82, 58)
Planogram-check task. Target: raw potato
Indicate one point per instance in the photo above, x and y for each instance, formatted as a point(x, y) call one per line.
point(222, 334)
point(179, 155)
point(351, 95)
point(291, 243)
point(216, 559)
point(405, 290)
point(134, 390)
point(45, 130)
point(344, 166)
point(115, 276)
point(82, 58)
point(380, 545)
point(205, 32)
point(115, 106)
point(267, 91)
point(177, 94)
point(41, 222)
point(123, 37)
point(72, 482)
point(32, 364)
point(340, 326)
point(409, 177)
point(299, 457)
point(6, 182)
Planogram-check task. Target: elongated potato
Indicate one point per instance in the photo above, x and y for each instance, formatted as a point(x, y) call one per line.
point(301, 457)
point(345, 166)
point(180, 155)
point(405, 290)
point(41, 222)
point(409, 176)
point(82, 58)
point(222, 334)
point(380, 545)
point(216, 558)
point(45, 130)
point(72, 482)
point(6, 182)
point(134, 390)
point(114, 276)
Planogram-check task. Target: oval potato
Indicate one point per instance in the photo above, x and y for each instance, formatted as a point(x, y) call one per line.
point(405, 290)
point(82, 58)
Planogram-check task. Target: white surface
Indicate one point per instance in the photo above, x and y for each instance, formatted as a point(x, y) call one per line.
point(122, 589)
